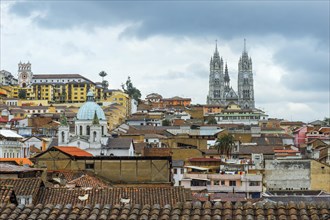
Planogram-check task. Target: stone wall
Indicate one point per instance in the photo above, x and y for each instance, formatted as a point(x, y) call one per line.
point(287, 174)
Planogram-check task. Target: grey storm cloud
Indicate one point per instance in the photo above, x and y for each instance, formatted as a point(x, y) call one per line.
point(308, 67)
point(188, 18)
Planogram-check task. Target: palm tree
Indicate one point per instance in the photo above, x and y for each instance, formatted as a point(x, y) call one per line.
point(103, 74)
point(225, 144)
point(105, 83)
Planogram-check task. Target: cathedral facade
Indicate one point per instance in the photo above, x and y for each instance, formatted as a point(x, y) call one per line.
point(220, 90)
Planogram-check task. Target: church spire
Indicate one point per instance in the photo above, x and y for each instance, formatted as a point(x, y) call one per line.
point(227, 79)
point(216, 45)
point(244, 45)
point(216, 52)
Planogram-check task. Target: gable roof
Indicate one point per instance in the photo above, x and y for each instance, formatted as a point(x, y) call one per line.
point(24, 186)
point(119, 143)
point(6, 192)
point(18, 161)
point(87, 181)
point(180, 210)
point(74, 151)
point(135, 195)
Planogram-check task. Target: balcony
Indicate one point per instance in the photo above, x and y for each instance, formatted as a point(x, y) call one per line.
point(242, 182)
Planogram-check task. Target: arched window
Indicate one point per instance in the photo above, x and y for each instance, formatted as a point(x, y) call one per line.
point(88, 130)
point(80, 130)
point(102, 130)
point(63, 137)
point(94, 136)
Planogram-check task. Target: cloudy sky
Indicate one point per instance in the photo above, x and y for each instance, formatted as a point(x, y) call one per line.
point(165, 46)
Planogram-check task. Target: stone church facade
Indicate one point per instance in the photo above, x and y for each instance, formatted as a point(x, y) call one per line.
point(220, 90)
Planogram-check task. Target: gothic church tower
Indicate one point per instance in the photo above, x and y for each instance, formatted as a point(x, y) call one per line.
point(245, 81)
point(216, 81)
point(220, 91)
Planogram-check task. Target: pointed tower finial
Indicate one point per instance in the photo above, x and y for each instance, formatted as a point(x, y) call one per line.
point(216, 46)
point(244, 45)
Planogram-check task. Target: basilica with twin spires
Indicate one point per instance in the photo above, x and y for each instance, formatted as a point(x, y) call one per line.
point(220, 90)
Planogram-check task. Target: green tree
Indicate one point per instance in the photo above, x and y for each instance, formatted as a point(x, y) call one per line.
point(211, 121)
point(133, 92)
point(327, 121)
point(225, 144)
point(166, 122)
point(22, 94)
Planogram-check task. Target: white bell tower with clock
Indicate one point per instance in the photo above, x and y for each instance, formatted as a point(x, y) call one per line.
point(24, 74)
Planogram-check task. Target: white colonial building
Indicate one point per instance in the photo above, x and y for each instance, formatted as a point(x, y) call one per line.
point(11, 145)
point(91, 133)
point(90, 128)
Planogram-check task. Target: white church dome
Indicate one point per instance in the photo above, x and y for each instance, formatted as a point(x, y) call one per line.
point(87, 110)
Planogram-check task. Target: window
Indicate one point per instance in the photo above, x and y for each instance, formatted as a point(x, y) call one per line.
point(232, 183)
point(179, 183)
point(216, 182)
point(175, 171)
point(182, 171)
point(89, 166)
point(222, 183)
point(94, 136)
point(63, 137)
point(254, 183)
point(88, 130)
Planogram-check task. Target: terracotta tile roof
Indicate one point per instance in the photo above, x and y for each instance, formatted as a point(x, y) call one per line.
point(256, 150)
point(187, 210)
point(24, 186)
point(5, 193)
point(136, 195)
point(139, 147)
point(324, 130)
point(286, 151)
point(202, 159)
point(74, 151)
point(224, 197)
point(87, 181)
point(10, 168)
point(3, 120)
point(67, 175)
point(18, 161)
point(34, 150)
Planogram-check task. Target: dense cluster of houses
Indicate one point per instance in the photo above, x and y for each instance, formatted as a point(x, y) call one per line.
point(164, 153)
